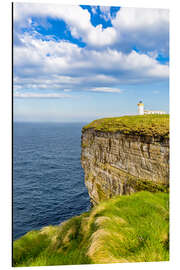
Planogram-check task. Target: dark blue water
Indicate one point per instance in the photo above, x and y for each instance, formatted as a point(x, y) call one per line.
point(48, 181)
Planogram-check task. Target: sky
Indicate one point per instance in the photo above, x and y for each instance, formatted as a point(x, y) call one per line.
point(80, 63)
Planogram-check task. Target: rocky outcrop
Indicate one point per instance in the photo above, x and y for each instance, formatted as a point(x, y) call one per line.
point(117, 163)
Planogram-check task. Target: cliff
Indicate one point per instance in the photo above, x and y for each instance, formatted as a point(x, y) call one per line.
point(122, 229)
point(125, 154)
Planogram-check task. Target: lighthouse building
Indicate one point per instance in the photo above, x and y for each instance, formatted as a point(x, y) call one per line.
point(141, 110)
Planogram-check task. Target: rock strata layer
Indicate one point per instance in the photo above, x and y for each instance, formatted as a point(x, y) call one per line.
point(117, 163)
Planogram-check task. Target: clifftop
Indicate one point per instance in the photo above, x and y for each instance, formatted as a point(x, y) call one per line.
point(147, 125)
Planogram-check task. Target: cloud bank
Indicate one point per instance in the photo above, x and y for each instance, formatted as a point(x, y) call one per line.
point(124, 53)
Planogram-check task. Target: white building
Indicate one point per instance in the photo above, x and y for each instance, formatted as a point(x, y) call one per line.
point(141, 110)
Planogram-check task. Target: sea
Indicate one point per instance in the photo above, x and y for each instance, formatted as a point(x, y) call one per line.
point(48, 180)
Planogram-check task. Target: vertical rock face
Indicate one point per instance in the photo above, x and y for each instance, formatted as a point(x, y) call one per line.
point(117, 163)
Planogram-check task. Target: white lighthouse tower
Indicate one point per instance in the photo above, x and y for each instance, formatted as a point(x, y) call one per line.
point(140, 108)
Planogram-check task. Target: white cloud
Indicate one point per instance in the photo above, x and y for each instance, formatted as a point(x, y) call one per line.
point(156, 92)
point(41, 64)
point(41, 95)
point(147, 28)
point(101, 37)
point(58, 65)
point(67, 90)
point(77, 19)
point(106, 90)
point(140, 18)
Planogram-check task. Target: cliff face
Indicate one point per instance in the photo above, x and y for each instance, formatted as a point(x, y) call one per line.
point(117, 163)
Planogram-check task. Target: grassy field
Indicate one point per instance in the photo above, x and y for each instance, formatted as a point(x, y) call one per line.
point(131, 228)
point(151, 125)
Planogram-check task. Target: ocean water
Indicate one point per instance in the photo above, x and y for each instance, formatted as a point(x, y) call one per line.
point(48, 181)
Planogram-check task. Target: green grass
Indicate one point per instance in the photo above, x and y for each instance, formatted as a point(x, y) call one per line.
point(140, 184)
point(122, 229)
point(149, 125)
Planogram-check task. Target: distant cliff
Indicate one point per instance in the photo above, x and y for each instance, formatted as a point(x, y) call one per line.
point(125, 154)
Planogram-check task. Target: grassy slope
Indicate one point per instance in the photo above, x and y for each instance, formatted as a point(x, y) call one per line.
point(123, 229)
point(151, 125)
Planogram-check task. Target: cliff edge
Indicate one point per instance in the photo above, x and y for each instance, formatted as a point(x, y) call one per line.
point(122, 155)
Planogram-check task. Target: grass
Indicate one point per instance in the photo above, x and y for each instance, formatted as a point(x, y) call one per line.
point(139, 184)
point(122, 229)
point(148, 125)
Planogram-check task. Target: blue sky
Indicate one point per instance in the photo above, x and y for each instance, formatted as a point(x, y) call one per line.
point(79, 63)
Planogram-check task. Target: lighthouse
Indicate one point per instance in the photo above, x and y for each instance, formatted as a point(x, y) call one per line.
point(140, 108)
